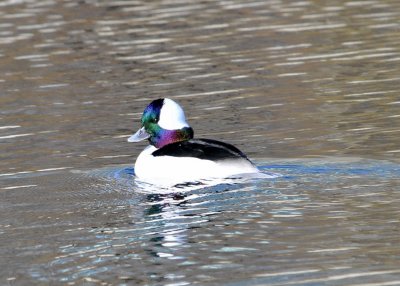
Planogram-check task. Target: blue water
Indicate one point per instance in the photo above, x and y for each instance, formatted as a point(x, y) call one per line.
point(298, 170)
point(360, 167)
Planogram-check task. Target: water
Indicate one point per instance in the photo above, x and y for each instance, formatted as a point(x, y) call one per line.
point(322, 221)
point(306, 89)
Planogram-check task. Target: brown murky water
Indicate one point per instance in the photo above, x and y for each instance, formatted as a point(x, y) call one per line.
point(308, 89)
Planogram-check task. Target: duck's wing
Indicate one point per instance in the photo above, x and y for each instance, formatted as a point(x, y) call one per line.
point(206, 149)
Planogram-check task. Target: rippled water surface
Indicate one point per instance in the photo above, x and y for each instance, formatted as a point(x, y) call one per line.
point(308, 89)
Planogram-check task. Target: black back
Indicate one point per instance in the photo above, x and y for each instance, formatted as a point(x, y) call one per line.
point(206, 149)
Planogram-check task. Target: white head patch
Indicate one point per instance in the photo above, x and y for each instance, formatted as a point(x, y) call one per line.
point(172, 116)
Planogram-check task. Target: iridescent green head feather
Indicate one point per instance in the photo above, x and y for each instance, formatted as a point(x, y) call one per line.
point(163, 122)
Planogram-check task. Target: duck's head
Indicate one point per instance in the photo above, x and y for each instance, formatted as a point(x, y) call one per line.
point(163, 122)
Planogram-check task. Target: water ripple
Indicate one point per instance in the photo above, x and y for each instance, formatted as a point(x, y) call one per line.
point(282, 79)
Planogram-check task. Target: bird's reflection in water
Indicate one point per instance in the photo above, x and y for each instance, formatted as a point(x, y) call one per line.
point(173, 217)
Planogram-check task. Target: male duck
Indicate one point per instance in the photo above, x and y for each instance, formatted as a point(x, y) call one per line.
point(174, 157)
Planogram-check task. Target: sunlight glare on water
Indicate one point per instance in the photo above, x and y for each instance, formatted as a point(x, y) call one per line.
point(307, 89)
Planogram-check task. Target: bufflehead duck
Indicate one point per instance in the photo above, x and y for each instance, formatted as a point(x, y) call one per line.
point(175, 157)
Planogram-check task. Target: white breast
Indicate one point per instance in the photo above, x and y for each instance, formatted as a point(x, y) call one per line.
point(169, 170)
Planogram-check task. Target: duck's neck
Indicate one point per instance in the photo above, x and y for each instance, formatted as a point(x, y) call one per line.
point(164, 137)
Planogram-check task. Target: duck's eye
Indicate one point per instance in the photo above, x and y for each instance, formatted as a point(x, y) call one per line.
point(154, 120)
